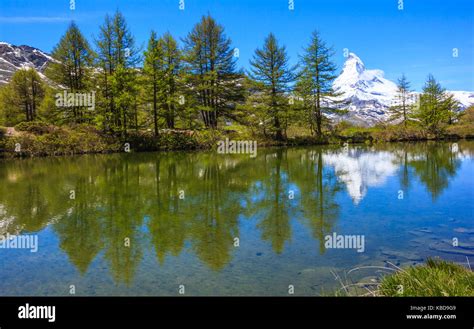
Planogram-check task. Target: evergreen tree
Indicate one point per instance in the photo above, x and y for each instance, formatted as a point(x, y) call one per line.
point(453, 108)
point(10, 113)
point(211, 75)
point(117, 58)
point(105, 62)
point(171, 79)
point(72, 68)
point(153, 74)
point(162, 77)
point(314, 83)
point(433, 112)
point(272, 74)
point(402, 109)
point(125, 91)
point(21, 98)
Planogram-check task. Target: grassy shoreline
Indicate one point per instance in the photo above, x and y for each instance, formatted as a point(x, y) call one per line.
point(39, 140)
point(434, 278)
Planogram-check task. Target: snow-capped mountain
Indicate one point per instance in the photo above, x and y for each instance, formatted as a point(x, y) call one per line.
point(369, 94)
point(14, 58)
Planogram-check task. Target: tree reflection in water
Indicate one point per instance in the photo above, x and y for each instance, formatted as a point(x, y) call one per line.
point(165, 201)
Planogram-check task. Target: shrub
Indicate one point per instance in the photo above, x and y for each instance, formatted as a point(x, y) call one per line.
point(391, 133)
point(60, 141)
point(142, 141)
point(177, 141)
point(167, 140)
point(28, 146)
point(35, 127)
point(465, 126)
point(209, 138)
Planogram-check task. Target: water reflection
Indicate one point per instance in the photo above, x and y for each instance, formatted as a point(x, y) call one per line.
point(126, 204)
point(360, 169)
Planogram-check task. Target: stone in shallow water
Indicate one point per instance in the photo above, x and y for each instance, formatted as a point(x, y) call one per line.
point(369, 280)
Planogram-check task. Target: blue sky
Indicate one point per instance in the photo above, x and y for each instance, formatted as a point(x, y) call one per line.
point(416, 40)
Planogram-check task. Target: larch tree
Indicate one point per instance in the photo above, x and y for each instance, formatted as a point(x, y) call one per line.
point(272, 76)
point(21, 98)
point(72, 69)
point(171, 78)
point(314, 83)
point(153, 74)
point(403, 107)
point(162, 75)
point(212, 79)
point(433, 112)
point(117, 57)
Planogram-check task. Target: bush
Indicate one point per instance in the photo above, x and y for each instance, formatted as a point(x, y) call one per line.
point(60, 141)
point(35, 127)
point(435, 278)
point(357, 134)
point(465, 126)
point(177, 141)
point(27, 146)
point(392, 133)
point(169, 140)
point(209, 138)
point(142, 141)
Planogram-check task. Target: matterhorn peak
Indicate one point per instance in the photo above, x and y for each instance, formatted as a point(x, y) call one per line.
point(353, 65)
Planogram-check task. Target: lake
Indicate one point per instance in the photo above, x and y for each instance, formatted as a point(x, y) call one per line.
point(202, 223)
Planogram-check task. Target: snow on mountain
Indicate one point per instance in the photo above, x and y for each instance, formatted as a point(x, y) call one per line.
point(14, 58)
point(356, 81)
point(466, 98)
point(369, 94)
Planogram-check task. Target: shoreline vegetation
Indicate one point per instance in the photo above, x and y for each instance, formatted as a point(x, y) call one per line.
point(38, 139)
point(111, 95)
point(434, 278)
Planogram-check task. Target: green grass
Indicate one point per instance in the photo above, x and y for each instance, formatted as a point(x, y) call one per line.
point(435, 278)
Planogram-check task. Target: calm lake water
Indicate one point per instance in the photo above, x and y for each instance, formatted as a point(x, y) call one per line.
point(144, 224)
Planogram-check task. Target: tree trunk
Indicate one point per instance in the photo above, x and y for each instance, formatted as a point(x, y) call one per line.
point(155, 113)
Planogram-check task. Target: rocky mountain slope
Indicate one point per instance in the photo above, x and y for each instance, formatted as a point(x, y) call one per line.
point(13, 58)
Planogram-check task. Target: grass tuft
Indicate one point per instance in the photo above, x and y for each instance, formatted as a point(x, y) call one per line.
point(435, 278)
